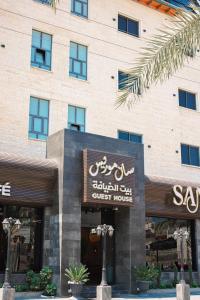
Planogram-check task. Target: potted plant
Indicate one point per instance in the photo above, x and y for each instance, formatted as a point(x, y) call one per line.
point(77, 275)
point(144, 276)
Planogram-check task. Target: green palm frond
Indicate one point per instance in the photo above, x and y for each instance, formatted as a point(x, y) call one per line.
point(165, 53)
point(77, 273)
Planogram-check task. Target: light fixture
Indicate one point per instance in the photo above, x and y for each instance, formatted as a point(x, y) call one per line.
point(98, 230)
point(5, 224)
point(18, 224)
point(93, 231)
point(110, 230)
point(175, 234)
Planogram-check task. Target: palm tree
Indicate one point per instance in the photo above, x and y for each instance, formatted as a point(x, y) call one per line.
point(164, 54)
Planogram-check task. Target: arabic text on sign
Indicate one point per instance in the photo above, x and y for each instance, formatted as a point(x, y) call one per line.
point(102, 167)
point(106, 188)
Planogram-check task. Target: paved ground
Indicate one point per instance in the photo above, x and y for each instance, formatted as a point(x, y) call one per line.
point(168, 294)
point(129, 297)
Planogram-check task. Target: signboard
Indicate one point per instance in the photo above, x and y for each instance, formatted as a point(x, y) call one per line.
point(5, 189)
point(187, 197)
point(108, 178)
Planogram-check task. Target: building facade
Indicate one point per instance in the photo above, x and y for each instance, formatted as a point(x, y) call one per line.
point(64, 69)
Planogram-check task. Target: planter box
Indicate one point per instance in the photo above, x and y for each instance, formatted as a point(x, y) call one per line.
point(143, 286)
point(76, 289)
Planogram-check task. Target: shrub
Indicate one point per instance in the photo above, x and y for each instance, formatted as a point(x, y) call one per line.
point(23, 287)
point(146, 273)
point(77, 273)
point(46, 275)
point(50, 289)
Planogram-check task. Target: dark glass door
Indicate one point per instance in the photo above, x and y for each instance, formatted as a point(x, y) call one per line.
point(26, 243)
point(91, 249)
point(91, 254)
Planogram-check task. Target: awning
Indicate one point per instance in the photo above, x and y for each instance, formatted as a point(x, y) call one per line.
point(159, 180)
point(159, 197)
point(31, 182)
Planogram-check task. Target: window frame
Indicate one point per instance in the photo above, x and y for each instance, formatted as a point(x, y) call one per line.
point(129, 134)
point(82, 4)
point(34, 63)
point(69, 124)
point(187, 92)
point(71, 74)
point(39, 117)
point(137, 35)
point(189, 155)
point(46, 2)
point(139, 91)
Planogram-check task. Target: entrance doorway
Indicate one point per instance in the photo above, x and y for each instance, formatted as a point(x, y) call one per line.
point(91, 244)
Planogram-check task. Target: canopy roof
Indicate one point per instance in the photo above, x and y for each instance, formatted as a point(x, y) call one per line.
point(168, 6)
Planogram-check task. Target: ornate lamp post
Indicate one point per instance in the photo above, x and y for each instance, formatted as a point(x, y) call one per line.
point(180, 235)
point(8, 225)
point(104, 230)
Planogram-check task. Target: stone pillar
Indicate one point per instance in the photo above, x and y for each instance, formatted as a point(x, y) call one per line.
point(67, 147)
point(182, 291)
point(130, 237)
point(51, 242)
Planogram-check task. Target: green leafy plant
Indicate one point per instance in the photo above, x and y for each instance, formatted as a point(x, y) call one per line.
point(23, 287)
point(146, 273)
point(175, 281)
point(1, 284)
point(35, 284)
point(77, 274)
point(194, 285)
point(50, 289)
point(190, 274)
point(29, 275)
point(158, 279)
point(40, 281)
point(46, 275)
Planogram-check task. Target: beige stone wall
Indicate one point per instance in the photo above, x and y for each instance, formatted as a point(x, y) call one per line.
point(157, 116)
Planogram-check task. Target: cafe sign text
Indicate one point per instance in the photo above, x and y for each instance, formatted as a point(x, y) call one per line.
point(108, 178)
point(5, 189)
point(188, 197)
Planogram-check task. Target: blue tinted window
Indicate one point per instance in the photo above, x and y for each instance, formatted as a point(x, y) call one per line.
point(122, 135)
point(45, 1)
point(187, 99)
point(133, 27)
point(78, 61)
point(80, 7)
point(191, 101)
point(128, 25)
point(38, 118)
point(76, 118)
point(132, 137)
point(122, 23)
point(136, 138)
point(185, 154)
point(190, 155)
point(41, 50)
point(122, 78)
point(194, 156)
